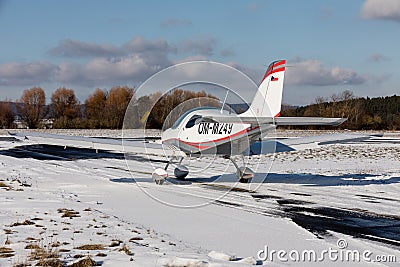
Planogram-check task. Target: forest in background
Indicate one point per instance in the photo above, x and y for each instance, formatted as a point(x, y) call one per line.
point(105, 109)
point(378, 113)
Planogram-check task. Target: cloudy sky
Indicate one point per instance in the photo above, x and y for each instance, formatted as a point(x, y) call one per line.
point(330, 45)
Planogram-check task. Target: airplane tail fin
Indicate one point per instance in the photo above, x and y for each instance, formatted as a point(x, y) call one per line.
point(268, 99)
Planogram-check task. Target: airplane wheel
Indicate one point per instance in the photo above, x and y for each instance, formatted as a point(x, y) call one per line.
point(181, 172)
point(244, 181)
point(159, 176)
point(245, 174)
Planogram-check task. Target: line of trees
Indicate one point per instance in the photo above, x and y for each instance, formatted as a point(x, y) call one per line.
point(102, 109)
point(380, 113)
point(106, 109)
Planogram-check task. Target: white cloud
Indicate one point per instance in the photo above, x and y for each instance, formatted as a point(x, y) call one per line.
point(133, 68)
point(75, 48)
point(33, 73)
point(313, 72)
point(381, 9)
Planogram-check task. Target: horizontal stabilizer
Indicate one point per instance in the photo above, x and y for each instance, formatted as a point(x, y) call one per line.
point(298, 121)
point(309, 121)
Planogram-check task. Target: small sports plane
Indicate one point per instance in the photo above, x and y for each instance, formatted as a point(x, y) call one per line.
point(214, 131)
point(206, 130)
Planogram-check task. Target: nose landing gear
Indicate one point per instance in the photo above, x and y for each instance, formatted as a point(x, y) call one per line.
point(160, 175)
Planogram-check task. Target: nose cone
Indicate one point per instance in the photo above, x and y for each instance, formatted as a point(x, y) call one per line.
point(166, 135)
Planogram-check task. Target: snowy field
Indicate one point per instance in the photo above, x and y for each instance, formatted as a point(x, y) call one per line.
point(75, 205)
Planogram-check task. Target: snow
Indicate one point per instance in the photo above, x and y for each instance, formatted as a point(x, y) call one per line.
point(196, 222)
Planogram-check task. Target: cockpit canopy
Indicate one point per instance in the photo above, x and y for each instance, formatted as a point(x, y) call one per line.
point(192, 121)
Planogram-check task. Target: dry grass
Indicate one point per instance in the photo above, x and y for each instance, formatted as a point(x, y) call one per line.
point(6, 252)
point(50, 263)
point(115, 243)
point(2, 184)
point(26, 222)
point(42, 254)
point(55, 244)
point(101, 254)
point(32, 246)
point(86, 262)
point(91, 247)
point(126, 250)
point(70, 213)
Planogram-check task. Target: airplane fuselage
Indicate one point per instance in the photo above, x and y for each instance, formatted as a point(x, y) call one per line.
point(211, 137)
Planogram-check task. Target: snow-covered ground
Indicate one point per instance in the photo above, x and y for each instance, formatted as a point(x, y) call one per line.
point(309, 201)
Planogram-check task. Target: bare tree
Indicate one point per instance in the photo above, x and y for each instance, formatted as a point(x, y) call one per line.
point(7, 114)
point(64, 107)
point(173, 99)
point(95, 106)
point(31, 106)
point(116, 105)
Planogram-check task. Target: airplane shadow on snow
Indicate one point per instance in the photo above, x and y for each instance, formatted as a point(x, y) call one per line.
point(306, 179)
point(301, 179)
point(52, 152)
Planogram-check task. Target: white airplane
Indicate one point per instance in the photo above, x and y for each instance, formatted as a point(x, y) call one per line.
point(206, 130)
point(214, 131)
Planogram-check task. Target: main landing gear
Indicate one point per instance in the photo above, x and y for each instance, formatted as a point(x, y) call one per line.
point(244, 174)
point(160, 175)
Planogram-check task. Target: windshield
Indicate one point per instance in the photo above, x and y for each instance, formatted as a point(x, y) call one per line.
point(192, 121)
point(178, 121)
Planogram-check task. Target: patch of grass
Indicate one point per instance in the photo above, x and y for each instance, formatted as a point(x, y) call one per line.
point(70, 213)
point(126, 250)
point(115, 243)
point(42, 254)
point(78, 256)
point(55, 244)
point(50, 263)
point(19, 264)
point(86, 262)
point(32, 246)
point(6, 252)
point(91, 247)
point(101, 254)
point(26, 222)
point(2, 184)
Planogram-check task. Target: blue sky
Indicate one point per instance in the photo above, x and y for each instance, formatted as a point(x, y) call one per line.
point(332, 45)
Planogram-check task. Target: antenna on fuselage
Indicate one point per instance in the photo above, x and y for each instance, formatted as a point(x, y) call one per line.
point(223, 104)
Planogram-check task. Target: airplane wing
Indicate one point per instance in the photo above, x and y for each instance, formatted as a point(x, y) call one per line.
point(294, 121)
point(276, 145)
point(118, 145)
